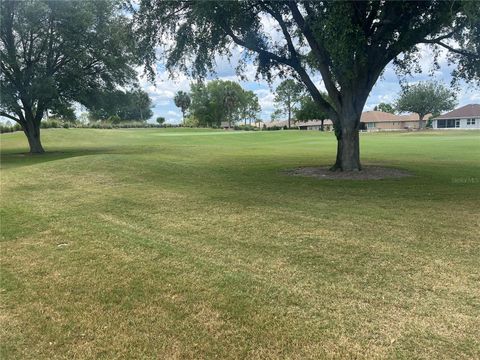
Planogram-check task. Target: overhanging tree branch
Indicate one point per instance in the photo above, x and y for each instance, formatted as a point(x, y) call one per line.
point(255, 48)
point(318, 50)
point(296, 63)
point(7, 115)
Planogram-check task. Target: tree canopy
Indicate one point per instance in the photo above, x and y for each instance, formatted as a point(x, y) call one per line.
point(287, 98)
point(424, 98)
point(132, 105)
point(385, 107)
point(348, 43)
point(309, 110)
point(54, 52)
point(221, 101)
point(249, 106)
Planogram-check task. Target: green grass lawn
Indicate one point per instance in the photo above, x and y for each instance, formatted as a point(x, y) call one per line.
point(195, 244)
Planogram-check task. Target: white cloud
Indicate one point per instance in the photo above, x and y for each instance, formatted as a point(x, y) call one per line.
point(173, 113)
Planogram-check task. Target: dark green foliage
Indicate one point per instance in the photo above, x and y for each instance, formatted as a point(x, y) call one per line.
point(10, 128)
point(51, 123)
point(426, 98)
point(249, 107)
point(182, 100)
point(272, 128)
point(114, 119)
point(219, 101)
point(160, 120)
point(133, 105)
point(54, 52)
point(388, 108)
point(245, 127)
point(287, 98)
point(62, 110)
point(310, 110)
point(121, 125)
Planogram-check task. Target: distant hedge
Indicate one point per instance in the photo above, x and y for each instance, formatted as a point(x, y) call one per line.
point(9, 128)
point(57, 124)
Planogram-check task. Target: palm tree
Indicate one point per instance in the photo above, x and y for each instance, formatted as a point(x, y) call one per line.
point(182, 101)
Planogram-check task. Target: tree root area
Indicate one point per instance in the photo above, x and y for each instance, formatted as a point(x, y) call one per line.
point(367, 173)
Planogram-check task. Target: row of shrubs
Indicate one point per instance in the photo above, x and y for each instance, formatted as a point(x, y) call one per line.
point(273, 128)
point(9, 128)
point(57, 124)
point(49, 124)
point(246, 127)
point(126, 125)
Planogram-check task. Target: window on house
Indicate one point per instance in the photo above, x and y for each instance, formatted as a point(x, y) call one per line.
point(470, 121)
point(450, 123)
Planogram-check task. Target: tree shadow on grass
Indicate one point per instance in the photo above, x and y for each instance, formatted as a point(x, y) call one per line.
point(10, 160)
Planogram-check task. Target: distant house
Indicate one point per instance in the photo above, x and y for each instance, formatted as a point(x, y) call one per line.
point(379, 120)
point(370, 120)
point(225, 125)
point(465, 117)
point(302, 125)
point(277, 123)
point(258, 124)
point(315, 125)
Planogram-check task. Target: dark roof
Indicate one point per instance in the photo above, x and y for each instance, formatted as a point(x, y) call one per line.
point(470, 110)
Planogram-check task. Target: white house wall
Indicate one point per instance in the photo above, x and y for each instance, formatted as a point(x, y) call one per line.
point(463, 124)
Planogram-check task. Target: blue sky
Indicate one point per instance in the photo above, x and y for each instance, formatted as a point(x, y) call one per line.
point(386, 89)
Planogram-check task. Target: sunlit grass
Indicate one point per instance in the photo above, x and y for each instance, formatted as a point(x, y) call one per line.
point(195, 244)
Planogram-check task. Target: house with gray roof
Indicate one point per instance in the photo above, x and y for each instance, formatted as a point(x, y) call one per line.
point(465, 117)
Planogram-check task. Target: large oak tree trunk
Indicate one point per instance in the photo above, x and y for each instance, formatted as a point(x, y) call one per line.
point(350, 149)
point(32, 131)
point(348, 142)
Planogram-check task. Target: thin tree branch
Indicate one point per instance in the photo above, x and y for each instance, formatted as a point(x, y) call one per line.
point(255, 48)
point(452, 49)
point(278, 17)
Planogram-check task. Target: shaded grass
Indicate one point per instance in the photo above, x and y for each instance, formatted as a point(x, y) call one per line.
point(165, 244)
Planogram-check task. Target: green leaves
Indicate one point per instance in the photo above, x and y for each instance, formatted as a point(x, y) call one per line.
point(287, 97)
point(309, 110)
point(132, 105)
point(57, 51)
point(222, 101)
point(385, 107)
point(426, 98)
point(182, 100)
